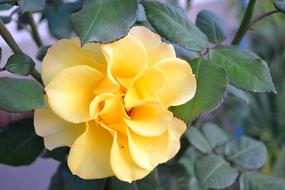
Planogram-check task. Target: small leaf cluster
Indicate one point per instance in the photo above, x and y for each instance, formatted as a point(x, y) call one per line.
point(215, 161)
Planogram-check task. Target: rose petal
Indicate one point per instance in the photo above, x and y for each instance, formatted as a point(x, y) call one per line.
point(63, 54)
point(56, 131)
point(71, 92)
point(156, 49)
point(126, 58)
point(180, 82)
point(145, 87)
point(89, 156)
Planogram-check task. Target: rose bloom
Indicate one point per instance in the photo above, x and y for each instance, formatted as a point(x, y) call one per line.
point(109, 104)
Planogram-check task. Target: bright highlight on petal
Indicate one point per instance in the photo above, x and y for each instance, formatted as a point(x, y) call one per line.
point(109, 104)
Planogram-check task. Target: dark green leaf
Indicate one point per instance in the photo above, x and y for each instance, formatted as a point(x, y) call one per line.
point(20, 64)
point(280, 5)
point(57, 182)
point(255, 181)
point(214, 134)
point(209, 93)
point(278, 168)
point(172, 177)
point(42, 52)
point(19, 144)
point(214, 172)
point(72, 182)
point(188, 160)
point(5, 6)
point(212, 26)
point(32, 5)
point(198, 140)
point(61, 28)
point(58, 154)
point(5, 19)
point(150, 182)
point(105, 21)
point(194, 184)
point(17, 95)
point(172, 24)
point(244, 68)
point(246, 152)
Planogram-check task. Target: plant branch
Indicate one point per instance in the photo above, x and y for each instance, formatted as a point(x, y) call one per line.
point(260, 17)
point(244, 23)
point(34, 30)
point(6, 35)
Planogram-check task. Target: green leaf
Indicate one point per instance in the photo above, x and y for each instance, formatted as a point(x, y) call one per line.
point(61, 28)
point(212, 26)
point(214, 172)
point(72, 182)
point(20, 64)
point(57, 182)
point(194, 184)
point(246, 152)
point(198, 140)
point(105, 20)
point(172, 24)
point(59, 154)
point(280, 5)
point(150, 182)
point(172, 177)
point(240, 94)
point(244, 68)
point(214, 134)
point(209, 93)
point(6, 19)
point(278, 168)
point(32, 5)
point(255, 181)
point(17, 95)
point(19, 144)
point(42, 52)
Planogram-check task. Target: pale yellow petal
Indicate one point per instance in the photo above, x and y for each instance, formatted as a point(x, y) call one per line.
point(175, 130)
point(107, 86)
point(145, 87)
point(63, 54)
point(89, 156)
point(55, 131)
point(148, 152)
point(71, 92)
point(180, 82)
point(122, 163)
point(149, 120)
point(126, 58)
point(156, 49)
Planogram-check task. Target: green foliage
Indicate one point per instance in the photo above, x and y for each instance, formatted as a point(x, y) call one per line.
point(42, 52)
point(280, 5)
point(246, 152)
point(172, 23)
point(19, 95)
point(214, 135)
point(32, 5)
point(209, 93)
point(198, 140)
point(212, 26)
point(105, 21)
point(214, 172)
point(20, 64)
point(19, 144)
point(244, 68)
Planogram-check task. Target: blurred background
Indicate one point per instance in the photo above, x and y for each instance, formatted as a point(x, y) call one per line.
point(260, 116)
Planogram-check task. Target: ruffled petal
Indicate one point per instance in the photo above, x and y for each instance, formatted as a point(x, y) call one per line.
point(145, 87)
point(126, 58)
point(71, 92)
point(56, 131)
point(156, 49)
point(175, 130)
point(149, 120)
point(122, 163)
point(63, 54)
point(89, 156)
point(180, 82)
point(148, 152)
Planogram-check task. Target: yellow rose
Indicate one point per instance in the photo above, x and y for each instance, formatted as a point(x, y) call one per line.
point(109, 103)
